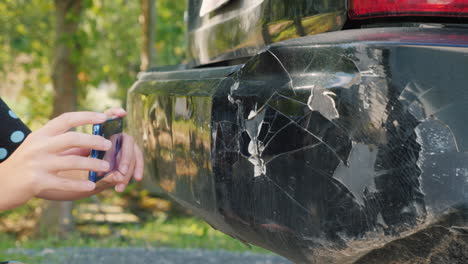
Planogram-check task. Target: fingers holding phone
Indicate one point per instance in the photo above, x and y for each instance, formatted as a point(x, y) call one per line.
point(115, 112)
point(38, 162)
point(131, 164)
point(128, 164)
point(111, 130)
point(125, 157)
point(53, 163)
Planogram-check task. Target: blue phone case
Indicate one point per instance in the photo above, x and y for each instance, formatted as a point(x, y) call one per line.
point(94, 153)
point(112, 130)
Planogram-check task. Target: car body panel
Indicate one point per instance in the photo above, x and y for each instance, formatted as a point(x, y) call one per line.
point(324, 149)
point(241, 28)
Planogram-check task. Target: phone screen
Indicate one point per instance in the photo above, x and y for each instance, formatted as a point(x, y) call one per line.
point(111, 130)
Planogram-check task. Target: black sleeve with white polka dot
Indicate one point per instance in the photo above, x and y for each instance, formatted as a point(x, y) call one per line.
point(12, 131)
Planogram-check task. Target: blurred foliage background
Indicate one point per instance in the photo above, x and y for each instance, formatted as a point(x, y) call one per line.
point(109, 36)
point(107, 58)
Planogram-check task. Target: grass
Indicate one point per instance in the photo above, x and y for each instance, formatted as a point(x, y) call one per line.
point(160, 227)
point(186, 232)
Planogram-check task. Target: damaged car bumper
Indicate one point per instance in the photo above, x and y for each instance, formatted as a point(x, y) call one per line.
point(333, 148)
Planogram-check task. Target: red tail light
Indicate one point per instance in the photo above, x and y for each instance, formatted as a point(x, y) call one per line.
point(361, 9)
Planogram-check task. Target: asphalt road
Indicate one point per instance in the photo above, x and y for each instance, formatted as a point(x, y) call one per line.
point(142, 255)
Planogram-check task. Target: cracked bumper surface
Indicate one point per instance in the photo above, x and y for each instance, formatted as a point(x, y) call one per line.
point(342, 147)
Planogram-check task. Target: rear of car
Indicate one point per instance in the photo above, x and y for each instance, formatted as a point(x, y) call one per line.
point(327, 131)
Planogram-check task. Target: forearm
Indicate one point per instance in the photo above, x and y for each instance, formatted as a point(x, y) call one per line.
point(24, 174)
point(15, 188)
point(14, 192)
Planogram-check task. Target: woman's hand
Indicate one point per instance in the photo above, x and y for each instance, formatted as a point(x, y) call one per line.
point(129, 160)
point(53, 163)
point(35, 167)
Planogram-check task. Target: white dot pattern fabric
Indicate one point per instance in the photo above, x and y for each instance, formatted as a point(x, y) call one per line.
point(17, 136)
point(12, 114)
point(12, 131)
point(3, 153)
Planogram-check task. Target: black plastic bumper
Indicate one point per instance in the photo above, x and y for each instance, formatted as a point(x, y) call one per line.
point(326, 149)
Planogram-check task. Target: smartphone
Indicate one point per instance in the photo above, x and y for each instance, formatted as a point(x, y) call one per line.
point(111, 130)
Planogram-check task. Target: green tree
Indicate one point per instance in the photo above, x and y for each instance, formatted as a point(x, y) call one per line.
point(170, 32)
point(98, 44)
point(26, 38)
point(147, 20)
point(57, 216)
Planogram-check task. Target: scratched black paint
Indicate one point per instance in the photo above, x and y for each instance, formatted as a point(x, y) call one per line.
point(325, 149)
